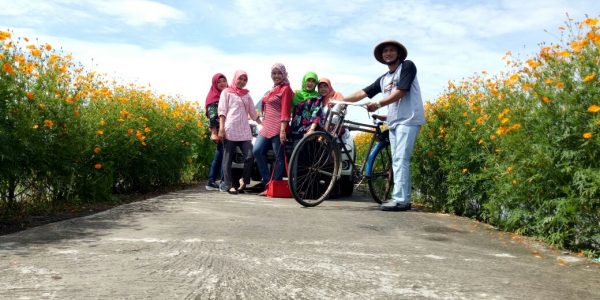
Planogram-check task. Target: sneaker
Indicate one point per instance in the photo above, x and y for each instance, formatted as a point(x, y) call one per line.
point(395, 206)
point(211, 186)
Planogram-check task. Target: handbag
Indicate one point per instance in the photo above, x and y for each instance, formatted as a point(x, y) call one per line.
point(279, 188)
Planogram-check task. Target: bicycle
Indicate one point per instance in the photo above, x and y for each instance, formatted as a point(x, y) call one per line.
point(315, 166)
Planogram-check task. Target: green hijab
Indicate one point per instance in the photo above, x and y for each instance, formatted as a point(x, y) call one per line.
point(302, 95)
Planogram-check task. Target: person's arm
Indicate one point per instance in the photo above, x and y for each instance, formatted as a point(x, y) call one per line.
point(391, 98)
point(286, 103)
point(222, 112)
point(356, 96)
point(221, 127)
point(251, 110)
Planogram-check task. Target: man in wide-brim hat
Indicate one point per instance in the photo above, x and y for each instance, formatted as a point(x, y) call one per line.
point(402, 96)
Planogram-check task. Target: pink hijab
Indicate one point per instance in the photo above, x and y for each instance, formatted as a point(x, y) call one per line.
point(213, 94)
point(332, 93)
point(233, 88)
point(277, 89)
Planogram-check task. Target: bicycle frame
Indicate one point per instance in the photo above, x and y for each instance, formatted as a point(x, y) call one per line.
point(375, 130)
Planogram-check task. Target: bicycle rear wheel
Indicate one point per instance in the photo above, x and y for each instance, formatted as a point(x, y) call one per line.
point(314, 168)
point(380, 175)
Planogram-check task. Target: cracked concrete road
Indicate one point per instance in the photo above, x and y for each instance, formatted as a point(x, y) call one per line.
point(195, 244)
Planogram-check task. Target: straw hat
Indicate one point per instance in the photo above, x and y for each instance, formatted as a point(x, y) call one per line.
point(378, 51)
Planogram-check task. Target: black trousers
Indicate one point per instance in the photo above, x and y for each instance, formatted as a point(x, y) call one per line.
point(229, 153)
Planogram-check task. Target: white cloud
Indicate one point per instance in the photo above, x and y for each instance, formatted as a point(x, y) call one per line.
point(139, 12)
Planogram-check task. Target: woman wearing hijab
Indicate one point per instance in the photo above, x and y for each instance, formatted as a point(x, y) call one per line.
point(235, 109)
point(276, 105)
point(309, 85)
point(219, 83)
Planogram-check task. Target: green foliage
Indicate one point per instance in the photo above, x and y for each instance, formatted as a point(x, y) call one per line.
point(522, 150)
point(70, 136)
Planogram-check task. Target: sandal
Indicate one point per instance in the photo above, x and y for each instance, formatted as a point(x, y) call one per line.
point(263, 193)
point(242, 185)
point(232, 191)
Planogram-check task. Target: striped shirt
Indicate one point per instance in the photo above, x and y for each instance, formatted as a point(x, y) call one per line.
point(236, 110)
point(276, 110)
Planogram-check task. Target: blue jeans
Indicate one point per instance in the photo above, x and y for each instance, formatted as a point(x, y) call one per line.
point(402, 142)
point(261, 146)
point(215, 166)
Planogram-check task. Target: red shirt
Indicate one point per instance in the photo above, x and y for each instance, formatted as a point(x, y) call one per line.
point(276, 109)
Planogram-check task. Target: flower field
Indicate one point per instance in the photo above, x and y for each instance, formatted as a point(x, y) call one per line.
point(521, 150)
point(68, 135)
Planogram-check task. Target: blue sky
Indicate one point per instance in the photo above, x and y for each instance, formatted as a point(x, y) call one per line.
point(176, 46)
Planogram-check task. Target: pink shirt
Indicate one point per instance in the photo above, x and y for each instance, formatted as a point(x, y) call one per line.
point(236, 110)
point(276, 110)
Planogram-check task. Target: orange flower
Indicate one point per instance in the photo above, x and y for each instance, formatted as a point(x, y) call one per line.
point(129, 131)
point(76, 113)
point(590, 22)
point(98, 166)
point(7, 68)
point(546, 99)
point(587, 135)
point(147, 129)
point(30, 95)
point(97, 150)
point(48, 123)
point(99, 132)
point(560, 85)
point(504, 120)
point(48, 47)
point(589, 77)
point(509, 169)
point(465, 170)
point(594, 108)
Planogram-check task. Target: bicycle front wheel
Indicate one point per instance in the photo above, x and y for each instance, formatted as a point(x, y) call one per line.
point(379, 172)
point(314, 168)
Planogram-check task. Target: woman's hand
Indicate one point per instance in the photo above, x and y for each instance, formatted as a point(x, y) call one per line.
point(221, 135)
point(282, 136)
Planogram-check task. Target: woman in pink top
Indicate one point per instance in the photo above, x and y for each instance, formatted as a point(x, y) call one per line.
point(276, 114)
point(235, 108)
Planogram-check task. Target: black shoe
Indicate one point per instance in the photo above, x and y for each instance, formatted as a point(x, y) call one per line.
point(395, 206)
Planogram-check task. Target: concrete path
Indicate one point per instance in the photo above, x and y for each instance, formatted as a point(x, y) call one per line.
point(195, 244)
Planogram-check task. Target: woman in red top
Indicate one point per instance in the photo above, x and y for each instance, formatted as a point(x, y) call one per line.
point(276, 114)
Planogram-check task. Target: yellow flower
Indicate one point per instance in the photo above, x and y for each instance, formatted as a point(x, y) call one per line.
point(590, 22)
point(465, 170)
point(509, 169)
point(48, 47)
point(549, 81)
point(98, 166)
point(589, 77)
point(504, 120)
point(560, 85)
point(594, 108)
point(36, 52)
point(492, 137)
point(533, 63)
point(587, 135)
point(36, 126)
point(48, 123)
point(99, 132)
point(97, 150)
point(4, 35)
